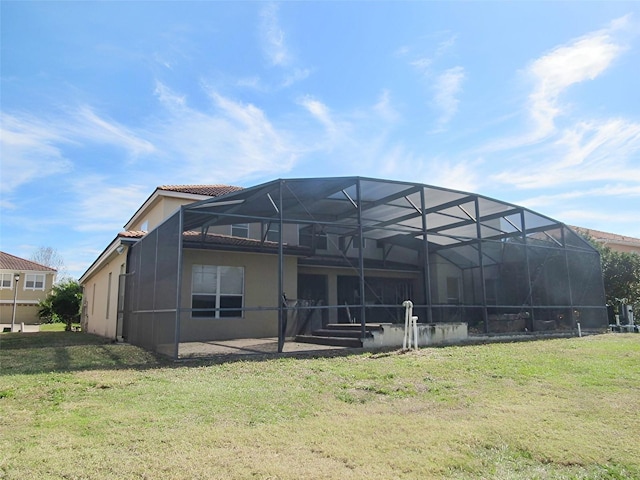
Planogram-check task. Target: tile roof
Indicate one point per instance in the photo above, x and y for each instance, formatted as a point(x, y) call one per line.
point(606, 236)
point(210, 190)
point(132, 234)
point(11, 262)
point(217, 239)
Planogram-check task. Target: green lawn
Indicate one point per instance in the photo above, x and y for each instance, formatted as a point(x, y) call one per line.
point(74, 407)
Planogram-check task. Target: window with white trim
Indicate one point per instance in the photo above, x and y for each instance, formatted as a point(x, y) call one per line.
point(240, 230)
point(6, 280)
point(217, 291)
point(312, 237)
point(273, 234)
point(34, 281)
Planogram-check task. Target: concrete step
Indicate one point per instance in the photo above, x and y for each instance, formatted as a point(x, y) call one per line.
point(352, 326)
point(335, 332)
point(334, 341)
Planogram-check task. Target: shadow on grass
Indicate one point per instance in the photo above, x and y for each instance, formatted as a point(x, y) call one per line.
point(45, 352)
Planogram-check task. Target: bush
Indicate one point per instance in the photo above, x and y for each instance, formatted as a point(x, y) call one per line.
point(62, 304)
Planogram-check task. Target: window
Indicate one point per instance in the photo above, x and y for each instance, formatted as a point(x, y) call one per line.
point(344, 243)
point(310, 237)
point(34, 281)
point(108, 296)
point(453, 290)
point(273, 234)
point(240, 230)
point(6, 280)
point(217, 291)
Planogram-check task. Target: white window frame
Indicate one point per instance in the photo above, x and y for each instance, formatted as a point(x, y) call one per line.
point(219, 292)
point(33, 278)
point(238, 228)
point(273, 232)
point(3, 277)
point(319, 238)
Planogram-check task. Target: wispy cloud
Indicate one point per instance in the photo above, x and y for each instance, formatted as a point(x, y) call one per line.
point(580, 60)
point(102, 206)
point(33, 147)
point(583, 59)
point(273, 37)
point(276, 50)
point(445, 85)
point(385, 109)
point(30, 150)
point(231, 141)
point(579, 151)
point(447, 88)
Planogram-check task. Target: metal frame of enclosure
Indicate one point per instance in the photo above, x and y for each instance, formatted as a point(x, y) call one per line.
point(515, 270)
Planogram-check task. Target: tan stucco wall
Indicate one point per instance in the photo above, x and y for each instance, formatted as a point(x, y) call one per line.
point(26, 300)
point(97, 295)
point(260, 290)
point(159, 211)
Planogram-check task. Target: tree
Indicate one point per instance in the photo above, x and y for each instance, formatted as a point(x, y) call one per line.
point(621, 275)
point(49, 257)
point(62, 303)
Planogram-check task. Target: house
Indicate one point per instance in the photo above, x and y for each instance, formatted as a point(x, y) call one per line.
point(305, 258)
point(22, 285)
point(617, 243)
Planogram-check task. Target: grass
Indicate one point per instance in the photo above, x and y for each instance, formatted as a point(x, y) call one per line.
point(74, 407)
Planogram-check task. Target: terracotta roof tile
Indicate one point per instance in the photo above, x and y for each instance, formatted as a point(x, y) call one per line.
point(219, 239)
point(606, 236)
point(132, 234)
point(11, 262)
point(210, 190)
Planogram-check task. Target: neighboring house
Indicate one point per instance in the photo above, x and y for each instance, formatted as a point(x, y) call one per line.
point(34, 281)
point(291, 257)
point(617, 243)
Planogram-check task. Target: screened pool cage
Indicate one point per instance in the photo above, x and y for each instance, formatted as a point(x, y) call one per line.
point(351, 250)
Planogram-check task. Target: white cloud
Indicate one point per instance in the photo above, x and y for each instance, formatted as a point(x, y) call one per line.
point(583, 59)
point(385, 109)
point(580, 60)
point(30, 151)
point(102, 206)
point(321, 113)
point(231, 142)
point(295, 75)
point(276, 50)
point(587, 152)
point(32, 148)
point(447, 88)
point(621, 190)
point(273, 37)
point(92, 127)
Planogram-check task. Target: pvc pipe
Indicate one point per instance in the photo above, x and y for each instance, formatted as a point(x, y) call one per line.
point(579, 330)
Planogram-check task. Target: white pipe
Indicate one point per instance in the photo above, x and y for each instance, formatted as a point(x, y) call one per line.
point(579, 330)
point(410, 326)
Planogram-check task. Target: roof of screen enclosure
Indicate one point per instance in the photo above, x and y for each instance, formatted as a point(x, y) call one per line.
point(391, 212)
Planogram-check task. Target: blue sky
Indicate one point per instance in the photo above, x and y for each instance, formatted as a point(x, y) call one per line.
point(534, 103)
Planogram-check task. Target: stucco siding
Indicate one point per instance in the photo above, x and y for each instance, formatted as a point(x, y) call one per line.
point(260, 291)
point(100, 298)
